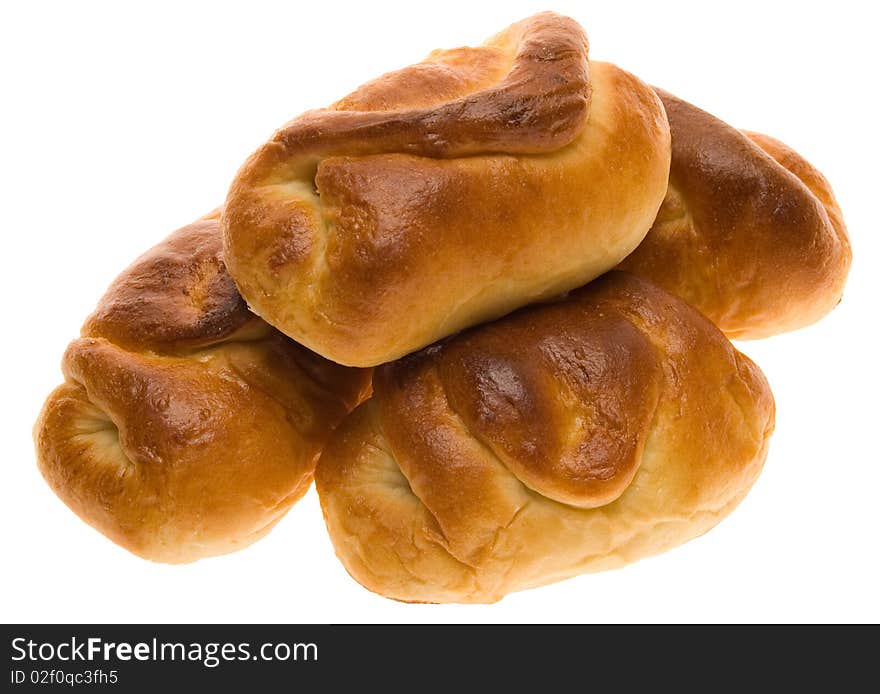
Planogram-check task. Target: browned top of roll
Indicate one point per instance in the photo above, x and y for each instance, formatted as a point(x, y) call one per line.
point(750, 233)
point(176, 295)
point(567, 413)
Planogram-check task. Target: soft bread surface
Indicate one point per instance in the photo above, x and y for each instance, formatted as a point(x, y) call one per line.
point(749, 232)
point(568, 437)
point(447, 194)
point(186, 426)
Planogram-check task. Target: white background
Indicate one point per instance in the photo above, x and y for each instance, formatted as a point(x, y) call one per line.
point(121, 124)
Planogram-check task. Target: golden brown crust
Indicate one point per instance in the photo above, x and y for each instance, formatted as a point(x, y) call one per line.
point(749, 232)
point(177, 295)
point(450, 192)
point(564, 438)
point(186, 427)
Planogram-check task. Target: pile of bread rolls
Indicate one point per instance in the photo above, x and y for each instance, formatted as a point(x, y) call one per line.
point(484, 301)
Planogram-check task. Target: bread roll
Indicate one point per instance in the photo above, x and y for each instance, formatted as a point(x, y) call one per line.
point(569, 437)
point(186, 426)
point(447, 194)
point(749, 232)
